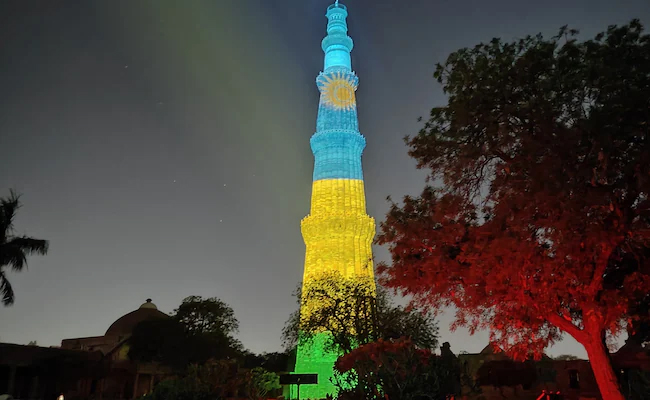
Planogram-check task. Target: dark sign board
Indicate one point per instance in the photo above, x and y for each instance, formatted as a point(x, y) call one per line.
point(299, 379)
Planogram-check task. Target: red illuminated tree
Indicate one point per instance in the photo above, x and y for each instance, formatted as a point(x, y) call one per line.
point(396, 369)
point(540, 176)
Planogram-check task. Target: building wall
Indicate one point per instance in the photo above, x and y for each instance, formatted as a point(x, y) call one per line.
point(574, 379)
point(95, 343)
point(33, 372)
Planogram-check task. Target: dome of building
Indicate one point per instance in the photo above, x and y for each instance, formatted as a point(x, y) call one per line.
point(126, 323)
point(149, 304)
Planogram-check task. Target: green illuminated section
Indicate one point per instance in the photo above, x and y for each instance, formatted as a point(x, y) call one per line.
point(335, 313)
point(312, 358)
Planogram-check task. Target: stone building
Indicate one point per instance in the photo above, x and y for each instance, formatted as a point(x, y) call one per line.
point(123, 379)
point(95, 367)
point(34, 372)
point(496, 376)
point(117, 332)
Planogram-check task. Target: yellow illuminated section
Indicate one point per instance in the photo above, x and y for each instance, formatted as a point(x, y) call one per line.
point(338, 233)
point(338, 237)
point(338, 91)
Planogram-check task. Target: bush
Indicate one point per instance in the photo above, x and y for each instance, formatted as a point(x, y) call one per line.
point(216, 380)
point(396, 370)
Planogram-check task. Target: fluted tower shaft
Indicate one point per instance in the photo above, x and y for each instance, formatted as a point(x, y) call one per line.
point(338, 233)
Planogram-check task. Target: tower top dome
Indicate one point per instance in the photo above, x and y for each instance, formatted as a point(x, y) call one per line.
point(148, 304)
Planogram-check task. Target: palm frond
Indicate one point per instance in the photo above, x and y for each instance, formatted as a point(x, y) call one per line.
point(14, 249)
point(13, 257)
point(8, 207)
point(6, 291)
point(14, 253)
point(29, 245)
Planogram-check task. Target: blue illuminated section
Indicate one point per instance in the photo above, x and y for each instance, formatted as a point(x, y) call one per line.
point(337, 144)
point(337, 45)
point(337, 154)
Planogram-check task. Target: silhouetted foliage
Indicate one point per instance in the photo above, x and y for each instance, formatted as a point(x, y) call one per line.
point(216, 380)
point(273, 362)
point(206, 316)
point(566, 357)
point(355, 312)
point(539, 172)
point(158, 340)
point(189, 337)
point(640, 328)
point(14, 249)
point(639, 314)
point(396, 369)
point(636, 384)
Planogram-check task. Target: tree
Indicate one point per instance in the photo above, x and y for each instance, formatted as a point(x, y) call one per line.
point(14, 249)
point(395, 369)
point(262, 382)
point(210, 315)
point(273, 362)
point(217, 379)
point(640, 330)
point(636, 384)
point(161, 341)
point(639, 327)
point(566, 357)
point(355, 312)
point(209, 322)
point(538, 189)
point(211, 380)
point(200, 330)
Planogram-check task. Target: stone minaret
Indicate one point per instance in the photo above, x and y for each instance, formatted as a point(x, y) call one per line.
point(338, 233)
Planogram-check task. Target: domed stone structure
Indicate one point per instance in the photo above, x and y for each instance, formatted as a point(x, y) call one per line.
point(126, 379)
point(124, 325)
point(119, 330)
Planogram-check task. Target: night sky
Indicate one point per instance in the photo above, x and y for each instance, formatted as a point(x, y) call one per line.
point(163, 146)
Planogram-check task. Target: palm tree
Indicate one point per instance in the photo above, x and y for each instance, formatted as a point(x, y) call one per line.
point(14, 249)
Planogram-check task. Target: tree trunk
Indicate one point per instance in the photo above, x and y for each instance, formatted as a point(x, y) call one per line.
point(602, 368)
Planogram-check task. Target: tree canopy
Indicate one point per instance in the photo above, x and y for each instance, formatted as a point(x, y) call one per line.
point(640, 329)
point(206, 316)
point(566, 357)
point(14, 249)
point(198, 331)
point(217, 379)
point(539, 177)
point(274, 362)
point(396, 369)
point(355, 312)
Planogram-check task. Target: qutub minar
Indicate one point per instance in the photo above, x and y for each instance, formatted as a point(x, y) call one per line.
point(338, 233)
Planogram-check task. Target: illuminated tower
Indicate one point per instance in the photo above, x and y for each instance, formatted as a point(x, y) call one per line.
point(338, 233)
